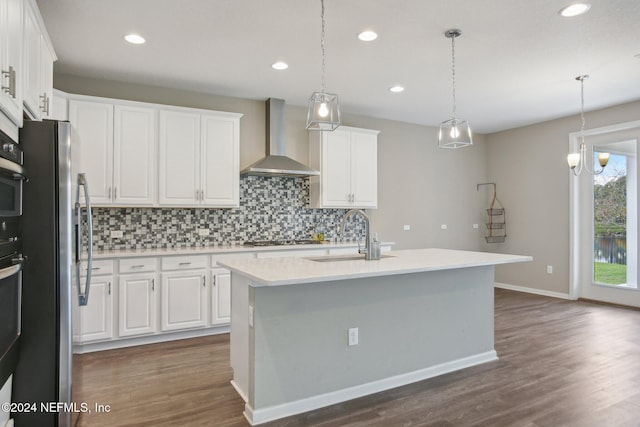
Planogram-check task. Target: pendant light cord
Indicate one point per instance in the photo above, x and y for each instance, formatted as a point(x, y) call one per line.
point(582, 109)
point(322, 42)
point(453, 73)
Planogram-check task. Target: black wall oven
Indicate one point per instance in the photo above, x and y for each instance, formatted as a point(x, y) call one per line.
point(11, 180)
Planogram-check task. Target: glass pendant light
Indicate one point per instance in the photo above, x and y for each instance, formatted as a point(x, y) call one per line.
point(454, 133)
point(324, 110)
point(579, 161)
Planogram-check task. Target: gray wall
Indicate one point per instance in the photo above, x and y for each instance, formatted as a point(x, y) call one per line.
point(418, 184)
point(529, 166)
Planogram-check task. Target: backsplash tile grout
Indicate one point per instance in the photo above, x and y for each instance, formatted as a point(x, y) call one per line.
point(271, 208)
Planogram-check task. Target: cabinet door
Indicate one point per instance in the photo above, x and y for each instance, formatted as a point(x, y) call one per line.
point(134, 156)
point(31, 65)
point(179, 158)
point(92, 146)
point(11, 50)
point(336, 169)
point(364, 169)
point(184, 301)
point(137, 304)
point(46, 81)
point(220, 161)
point(220, 297)
point(96, 318)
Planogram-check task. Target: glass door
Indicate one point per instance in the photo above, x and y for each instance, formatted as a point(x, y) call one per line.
point(605, 223)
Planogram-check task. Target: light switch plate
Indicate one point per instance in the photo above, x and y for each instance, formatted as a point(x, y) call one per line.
point(116, 234)
point(203, 232)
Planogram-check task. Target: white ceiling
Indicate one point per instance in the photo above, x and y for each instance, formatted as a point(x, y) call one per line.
point(516, 59)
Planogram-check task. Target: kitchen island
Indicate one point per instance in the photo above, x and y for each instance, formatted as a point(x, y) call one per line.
point(311, 332)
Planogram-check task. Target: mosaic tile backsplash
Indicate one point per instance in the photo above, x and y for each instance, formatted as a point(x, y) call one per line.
point(271, 208)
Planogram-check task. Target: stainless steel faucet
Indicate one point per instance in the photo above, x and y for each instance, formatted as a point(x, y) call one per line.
point(371, 250)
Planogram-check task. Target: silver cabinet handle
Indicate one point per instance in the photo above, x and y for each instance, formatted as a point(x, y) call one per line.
point(153, 285)
point(109, 192)
point(109, 288)
point(214, 280)
point(45, 103)
point(204, 281)
point(185, 263)
point(137, 266)
point(197, 195)
point(11, 88)
point(115, 193)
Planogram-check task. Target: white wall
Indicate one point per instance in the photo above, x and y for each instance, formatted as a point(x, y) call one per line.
point(529, 166)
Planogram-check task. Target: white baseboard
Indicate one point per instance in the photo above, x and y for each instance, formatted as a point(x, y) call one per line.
point(148, 339)
point(532, 290)
point(262, 415)
point(242, 394)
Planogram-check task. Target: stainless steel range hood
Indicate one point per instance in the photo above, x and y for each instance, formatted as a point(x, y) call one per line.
point(276, 163)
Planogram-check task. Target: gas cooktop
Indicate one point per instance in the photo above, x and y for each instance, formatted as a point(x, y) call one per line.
point(281, 242)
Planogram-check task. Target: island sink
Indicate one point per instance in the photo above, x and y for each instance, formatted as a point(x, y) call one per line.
point(344, 258)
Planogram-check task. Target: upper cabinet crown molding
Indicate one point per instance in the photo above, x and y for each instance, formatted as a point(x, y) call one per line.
point(347, 159)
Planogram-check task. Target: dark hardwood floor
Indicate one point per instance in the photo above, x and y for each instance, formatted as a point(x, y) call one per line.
point(562, 363)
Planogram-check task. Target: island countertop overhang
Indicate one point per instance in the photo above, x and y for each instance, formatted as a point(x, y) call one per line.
point(290, 270)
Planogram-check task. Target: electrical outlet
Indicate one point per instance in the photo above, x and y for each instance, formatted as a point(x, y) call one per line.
point(203, 232)
point(406, 227)
point(443, 226)
point(353, 336)
point(475, 225)
point(116, 234)
point(549, 269)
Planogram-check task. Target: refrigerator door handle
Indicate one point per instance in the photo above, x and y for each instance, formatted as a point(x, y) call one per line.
point(83, 297)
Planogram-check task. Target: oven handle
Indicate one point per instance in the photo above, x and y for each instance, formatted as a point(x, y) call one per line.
point(11, 270)
point(12, 169)
point(83, 297)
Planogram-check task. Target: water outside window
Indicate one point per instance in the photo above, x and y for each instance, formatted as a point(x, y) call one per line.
point(610, 226)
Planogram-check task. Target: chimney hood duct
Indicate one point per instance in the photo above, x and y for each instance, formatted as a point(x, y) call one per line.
point(276, 163)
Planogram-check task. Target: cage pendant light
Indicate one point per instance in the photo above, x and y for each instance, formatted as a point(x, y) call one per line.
point(324, 110)
point(580, 161)
point(455, 132)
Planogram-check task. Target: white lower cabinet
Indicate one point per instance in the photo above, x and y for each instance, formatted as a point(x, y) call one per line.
point(94, 321)
point(220, 296)
point(137, 304)
point(184, 299)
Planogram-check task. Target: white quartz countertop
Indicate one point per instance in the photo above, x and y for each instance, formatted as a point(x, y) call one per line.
point(221, 249)
point(290, 270)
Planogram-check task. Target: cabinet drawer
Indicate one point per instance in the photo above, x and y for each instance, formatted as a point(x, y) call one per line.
point(226, 257)
point(98, 267)
point(184, 262)
point(136, 265)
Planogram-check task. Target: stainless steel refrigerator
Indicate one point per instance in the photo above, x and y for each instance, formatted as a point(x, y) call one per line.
point(57, 233)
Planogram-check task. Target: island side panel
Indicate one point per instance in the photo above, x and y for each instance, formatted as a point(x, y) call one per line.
point(239, 339)
point(406, 322)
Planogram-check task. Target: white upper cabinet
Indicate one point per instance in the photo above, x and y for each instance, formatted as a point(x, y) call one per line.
point(115, 147)
point(179, 154)
point(134, 156)
point(11, 54)
point(220, 161)
point(92, 146)
point(199, 159)
point(38, 65)
point(347, 159)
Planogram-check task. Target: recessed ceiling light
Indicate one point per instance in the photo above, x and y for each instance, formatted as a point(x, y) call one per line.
point(279, 65)
point(396, 89)
point(134, 39)
point(574, 9)
point(368, 36)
